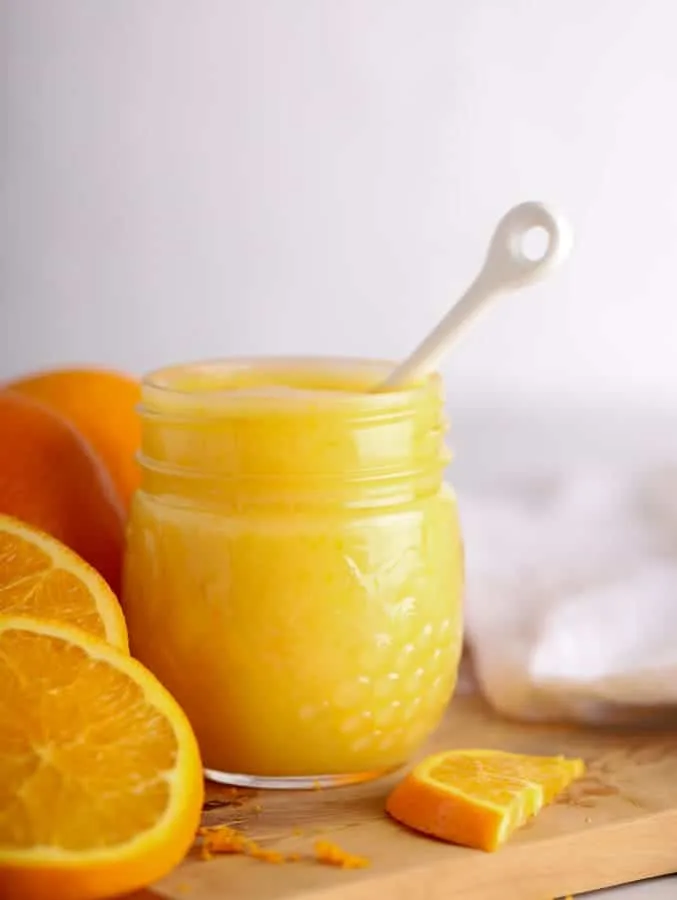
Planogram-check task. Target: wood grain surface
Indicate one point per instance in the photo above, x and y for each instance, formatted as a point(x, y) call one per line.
point(619, 824)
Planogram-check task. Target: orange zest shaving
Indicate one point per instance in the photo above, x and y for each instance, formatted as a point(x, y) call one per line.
point(222, 839)
point(332, 855)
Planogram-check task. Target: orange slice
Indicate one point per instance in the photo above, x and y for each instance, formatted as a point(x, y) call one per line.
point(100, 776)
point(40, 576)
point(477, 798)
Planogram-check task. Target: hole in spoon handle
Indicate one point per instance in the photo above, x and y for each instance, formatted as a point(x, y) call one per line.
point(507, 265)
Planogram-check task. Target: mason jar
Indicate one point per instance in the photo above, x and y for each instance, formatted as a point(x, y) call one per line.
point(294, 567)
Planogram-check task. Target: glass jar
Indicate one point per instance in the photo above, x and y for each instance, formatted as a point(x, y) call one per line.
point(294, 566)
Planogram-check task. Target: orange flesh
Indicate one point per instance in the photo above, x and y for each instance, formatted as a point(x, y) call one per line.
point(100, 776)
point(478, 798)
point(40, 577)
point(105, 702)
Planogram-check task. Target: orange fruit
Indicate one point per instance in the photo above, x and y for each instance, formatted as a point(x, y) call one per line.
point(101, 404)
point(50, 478)
point(100, 776)
point(477, 798)
point(40, 576)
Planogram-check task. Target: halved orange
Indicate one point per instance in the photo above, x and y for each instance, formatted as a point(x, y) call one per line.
point(100, 776)
point(477, 798)
point(40, 576)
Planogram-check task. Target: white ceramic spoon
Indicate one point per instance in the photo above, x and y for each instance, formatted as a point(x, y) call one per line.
point(506, 268)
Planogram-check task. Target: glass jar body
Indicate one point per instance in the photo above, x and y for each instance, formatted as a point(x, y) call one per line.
point(294, 570)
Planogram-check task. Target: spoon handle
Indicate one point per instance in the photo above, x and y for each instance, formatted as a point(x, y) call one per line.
point(506, 268)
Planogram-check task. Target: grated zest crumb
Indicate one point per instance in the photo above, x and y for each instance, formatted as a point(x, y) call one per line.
point(222, 839)
point(332, 855)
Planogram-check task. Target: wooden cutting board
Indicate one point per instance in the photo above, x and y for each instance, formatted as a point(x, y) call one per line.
point(619, 824)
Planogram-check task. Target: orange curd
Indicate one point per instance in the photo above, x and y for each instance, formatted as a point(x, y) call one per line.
point(294, 566)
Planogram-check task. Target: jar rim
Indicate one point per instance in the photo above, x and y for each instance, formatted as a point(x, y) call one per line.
point(291, 375)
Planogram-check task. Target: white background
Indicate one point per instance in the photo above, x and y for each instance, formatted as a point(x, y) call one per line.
point(191, 179)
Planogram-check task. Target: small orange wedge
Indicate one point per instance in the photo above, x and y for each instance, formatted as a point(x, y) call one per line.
point(40, 576)
point(477, 798)
point(100, 776)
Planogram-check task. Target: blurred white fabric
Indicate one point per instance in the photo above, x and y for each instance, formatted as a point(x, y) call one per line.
point(571, 601)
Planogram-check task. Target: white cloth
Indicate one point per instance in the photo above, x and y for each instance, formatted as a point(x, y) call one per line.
point(571, 598)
